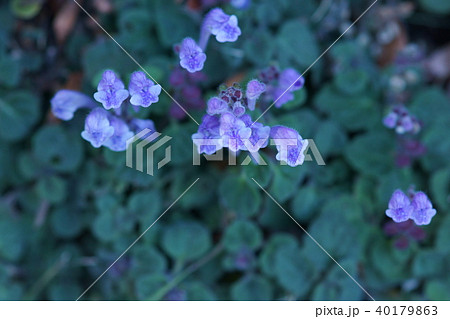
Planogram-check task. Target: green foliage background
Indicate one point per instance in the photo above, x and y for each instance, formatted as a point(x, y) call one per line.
point(67, 211)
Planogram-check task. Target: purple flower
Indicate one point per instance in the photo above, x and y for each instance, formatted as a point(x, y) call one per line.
point(291, 80)
point(423, 209)
point(217, 106)
point(97, 128)
point(191, 56)
point(390, 120)
point(66, 102)
point(238, 109)
point(208, 139)
point(143, 91)
point(260, 134)
point(111, 91)
point(400, 207)
point(234, 132)
point(254, 90)
point(290, 145)
point(118, 141)
point(220, 24)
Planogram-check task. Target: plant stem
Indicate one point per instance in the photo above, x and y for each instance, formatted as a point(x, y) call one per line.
point(158, 295)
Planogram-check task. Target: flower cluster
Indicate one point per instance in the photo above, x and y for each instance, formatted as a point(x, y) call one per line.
point(401, 120)
point(102, 127)
point(223, 26)
point(227, 124)
point(281, 84)
point(416, 207)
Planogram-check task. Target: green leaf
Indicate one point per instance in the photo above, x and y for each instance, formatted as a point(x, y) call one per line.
point(147, 285)
point(146, 206)
point(297, 42)
point(294, 271)
point(305, 202)
point(371, 153)
point(443, 236)
point(57, 149)
point(19, 111)
point(338, 285)
point(52, 189)
point(351, 82)
point(11, 71)
point(330, 139)
point(286, 181)
point(353, 112)
point(186, 240)
point(253, 287)
point(440, 188)
point(12, 245)
point(428, 263)
point(437, 290)
point(242, 234)
point(26, 9)
point(276, 242)
point(240, 195)
point(259, 48)
point(66, 222)
point(148, 260)
point(197, 291)
point(436, 6)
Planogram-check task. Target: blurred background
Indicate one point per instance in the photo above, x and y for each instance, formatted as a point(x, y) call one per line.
point(67, 210)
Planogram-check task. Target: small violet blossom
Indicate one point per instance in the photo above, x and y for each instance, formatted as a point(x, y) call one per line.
point(254, 90)
point(234, 132)
point(97, 128)
point(208, 139)
point(223, 26)
point(192, 57)
point(281, 84)
point(217, 106)
point(118, 141)
point(111, 91)
point(417, 207)
point(423, 209)
point(290, 145)
point(142, 90)
point(400, 207)
point(110, 129)
point(400, 119)
point(66, 102)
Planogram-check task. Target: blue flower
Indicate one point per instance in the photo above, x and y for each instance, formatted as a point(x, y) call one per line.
point(217, 106)
point(208, 139)
point(290, 145)
point(254, 90)
point(111, 91)
point(224, 27)
point(118, 141)
point(400, 208)
point(97, 128)
point(238, 109)
point(234, 132)
point(289, 81)
point(260, 134)
point(423, 210)
point(192, 57)
point(142, 90)
point(66, 102)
